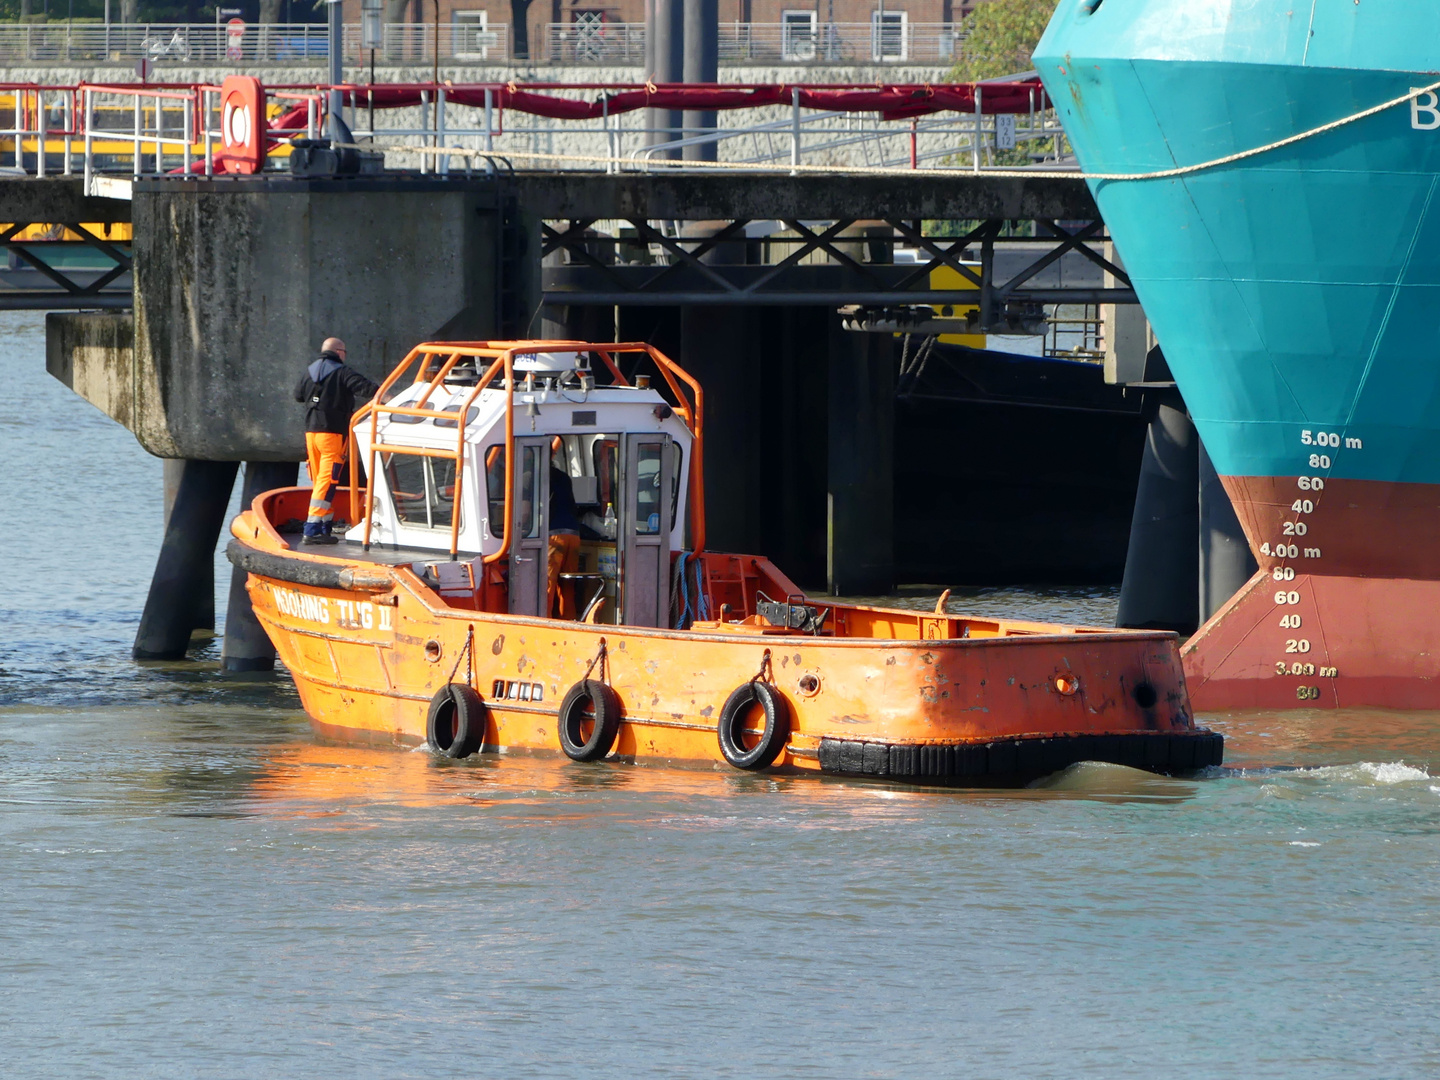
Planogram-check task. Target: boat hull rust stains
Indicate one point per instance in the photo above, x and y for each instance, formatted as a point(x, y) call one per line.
point(374, 635)
point(1294, 293)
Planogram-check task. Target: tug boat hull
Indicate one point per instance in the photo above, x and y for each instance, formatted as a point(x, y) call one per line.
point(919, 703)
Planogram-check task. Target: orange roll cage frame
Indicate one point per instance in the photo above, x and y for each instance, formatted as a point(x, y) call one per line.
point(502, 363)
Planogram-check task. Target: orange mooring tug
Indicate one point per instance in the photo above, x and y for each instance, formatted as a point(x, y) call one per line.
point(432, 620)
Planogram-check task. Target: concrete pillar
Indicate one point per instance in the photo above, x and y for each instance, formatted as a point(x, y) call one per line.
point(1129, 339)
point(552, 323)
point(394, 46)
point(184, 581)
point(204, 608)
point(860, 541)
point(664, 63)
point(1226, 562)
point(174, 469)
point(716, 347)
point(247, 646)
point(794, 347)
point(336, 41)
point(214, 354)
point(568, 322)
point(1161, 587)
point(701, 65)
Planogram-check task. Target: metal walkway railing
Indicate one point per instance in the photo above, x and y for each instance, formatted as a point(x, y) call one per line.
point(147, 130)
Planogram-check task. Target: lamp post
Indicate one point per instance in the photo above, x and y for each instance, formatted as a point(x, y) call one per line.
point(337, 55)
point(372, 37)
point(435, 74)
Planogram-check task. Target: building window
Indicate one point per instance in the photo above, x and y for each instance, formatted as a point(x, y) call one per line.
point(797, 35)
point(888, 37)
point(473, 39)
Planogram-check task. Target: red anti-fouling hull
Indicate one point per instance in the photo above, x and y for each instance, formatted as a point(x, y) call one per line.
point(1345, 609)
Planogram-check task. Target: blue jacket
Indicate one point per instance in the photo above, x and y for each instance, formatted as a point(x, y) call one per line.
point(330, 389)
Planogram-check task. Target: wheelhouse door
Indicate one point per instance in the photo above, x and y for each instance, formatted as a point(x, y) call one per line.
point(645, 525)
point(530, 527)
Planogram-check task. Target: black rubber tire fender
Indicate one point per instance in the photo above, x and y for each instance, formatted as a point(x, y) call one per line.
point(605, 704)
point(455, 726)
point(732, 719)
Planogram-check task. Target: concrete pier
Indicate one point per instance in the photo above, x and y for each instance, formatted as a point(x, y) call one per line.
point(702, 65)
point(234, 290)
point(1226, 562)
point(860, 512)
point(1161, 587)
point(247, 646)
point(236, 286)
point(203, 603)
point(664, 63)
point(719, 348)
point(185, 570)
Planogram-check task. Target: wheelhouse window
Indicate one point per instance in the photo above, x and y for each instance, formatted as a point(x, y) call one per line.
point(648, 474)
point(423, 489)
point(495, 489)
point(470, 415)
point(605, 455)
point(530, 484)
point(677, 459)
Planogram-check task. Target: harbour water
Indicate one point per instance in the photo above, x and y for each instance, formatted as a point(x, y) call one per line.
point(191, 885)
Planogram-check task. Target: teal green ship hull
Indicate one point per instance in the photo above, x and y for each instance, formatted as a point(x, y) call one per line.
point(1296, 295)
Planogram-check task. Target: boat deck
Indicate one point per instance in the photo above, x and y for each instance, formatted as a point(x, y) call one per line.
point(382, 554)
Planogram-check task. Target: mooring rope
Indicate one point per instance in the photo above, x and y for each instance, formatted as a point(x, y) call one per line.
point(884, 170)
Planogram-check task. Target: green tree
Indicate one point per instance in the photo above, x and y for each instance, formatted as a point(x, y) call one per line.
point(1000, 36)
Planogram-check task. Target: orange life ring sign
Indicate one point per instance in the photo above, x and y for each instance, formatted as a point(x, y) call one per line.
point(242, 124)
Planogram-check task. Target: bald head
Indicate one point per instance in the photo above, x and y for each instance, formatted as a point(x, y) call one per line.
point(335, 345)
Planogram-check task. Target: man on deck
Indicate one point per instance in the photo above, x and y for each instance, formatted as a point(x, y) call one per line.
point(330, 389)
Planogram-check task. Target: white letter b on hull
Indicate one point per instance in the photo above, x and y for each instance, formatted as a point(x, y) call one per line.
point(1424, 111)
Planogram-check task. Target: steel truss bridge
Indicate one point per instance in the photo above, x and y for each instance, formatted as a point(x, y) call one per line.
point(868, 243)
point(1013, 245)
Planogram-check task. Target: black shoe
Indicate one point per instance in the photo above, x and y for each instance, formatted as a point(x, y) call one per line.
point(322, 539)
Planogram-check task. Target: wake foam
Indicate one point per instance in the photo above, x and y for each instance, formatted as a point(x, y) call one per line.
point(1371, 772)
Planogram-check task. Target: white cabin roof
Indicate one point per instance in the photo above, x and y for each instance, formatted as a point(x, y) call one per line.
point(557, 411)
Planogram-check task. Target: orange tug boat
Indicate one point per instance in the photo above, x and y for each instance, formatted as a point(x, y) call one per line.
point(431, 621)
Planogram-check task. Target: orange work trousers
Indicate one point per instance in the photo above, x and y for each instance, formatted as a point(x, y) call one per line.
point(325, 452)
point(564, 559)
